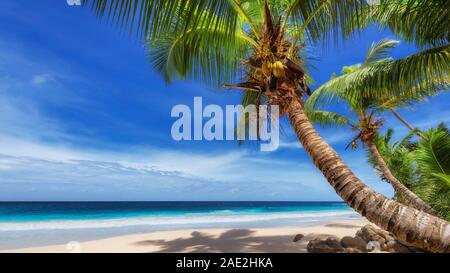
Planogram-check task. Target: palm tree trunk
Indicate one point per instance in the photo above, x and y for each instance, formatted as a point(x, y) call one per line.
point(410, 226)
point(397, 185)
point(402, 120)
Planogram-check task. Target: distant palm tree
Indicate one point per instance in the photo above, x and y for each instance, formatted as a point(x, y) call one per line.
point(424, 23)
point(367, 111)
point(423, 165)
point(432, 155)
point(221, 41)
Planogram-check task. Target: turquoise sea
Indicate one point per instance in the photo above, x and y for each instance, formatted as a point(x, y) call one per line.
point(26, 224)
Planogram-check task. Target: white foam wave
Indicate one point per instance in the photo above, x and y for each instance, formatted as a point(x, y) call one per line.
point(154, 221)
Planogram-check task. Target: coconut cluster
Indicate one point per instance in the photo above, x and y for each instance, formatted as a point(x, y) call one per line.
point(367, 128)
point(273, 70)
point(276, 69)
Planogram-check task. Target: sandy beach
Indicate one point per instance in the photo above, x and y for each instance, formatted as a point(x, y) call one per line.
point(208, 240)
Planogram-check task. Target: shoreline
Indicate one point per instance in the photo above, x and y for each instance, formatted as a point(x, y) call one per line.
point(208, 240)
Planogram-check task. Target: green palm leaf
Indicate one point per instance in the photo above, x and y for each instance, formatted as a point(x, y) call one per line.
point(327, 119)
point(379, 51)
point(420, 165)
point(200, 54)
point(445, 179)
point(325, 19)
point(433, 153)
point(424, 22)
point(433, 160)
point(406, 77)
point(151, 18)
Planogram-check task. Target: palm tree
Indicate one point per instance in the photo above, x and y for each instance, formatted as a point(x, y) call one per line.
point(398, 186)
point(402, 120)
point(366, 111)
point(432, 155)
point(410, 20)
point(423, 165)
point(219, 41)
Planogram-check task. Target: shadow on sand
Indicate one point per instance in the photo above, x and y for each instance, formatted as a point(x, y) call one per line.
point(235, 240)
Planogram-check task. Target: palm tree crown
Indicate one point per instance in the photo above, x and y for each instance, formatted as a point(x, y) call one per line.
point(208, 40)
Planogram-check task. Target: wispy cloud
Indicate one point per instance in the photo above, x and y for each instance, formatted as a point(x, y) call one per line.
point(59, 173)
point(39, 179)
point(22, 116)
point(42, 79)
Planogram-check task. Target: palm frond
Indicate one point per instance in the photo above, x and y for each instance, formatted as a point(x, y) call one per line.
point(417, 94)
point(433, 153)
point(423, 22)
point(246, 14)
point(406, 77)
point(445, 179)
point(347, 69)
point(200, 54)
point(388, 136)
point(325, 19)
point(379, 50)
point(327, 119)
point(148, 19)
point(433, 160)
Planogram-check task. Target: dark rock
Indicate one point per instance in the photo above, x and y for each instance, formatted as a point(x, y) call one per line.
point(354, 242)
point(391, 244)
point(328, 245)
point(370, 233)
point(359, 234)
point(400, 248)
point(298, 237)
point(354, 250)
point(385, 240)
point(368, 239)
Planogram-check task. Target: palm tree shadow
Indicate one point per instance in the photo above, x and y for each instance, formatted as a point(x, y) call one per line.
point(234, 240)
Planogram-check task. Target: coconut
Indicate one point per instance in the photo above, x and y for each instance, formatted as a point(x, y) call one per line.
point(278, 69)
point(267, 69)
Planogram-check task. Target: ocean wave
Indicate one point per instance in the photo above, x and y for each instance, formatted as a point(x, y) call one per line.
point(180, 220)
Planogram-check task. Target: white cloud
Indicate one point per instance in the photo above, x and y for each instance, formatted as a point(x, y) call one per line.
point(42, 79)
point(291, 144)
point(52, 172)
point(38, 179)
point(31, 168)
point(39, 160)
point(21, 118)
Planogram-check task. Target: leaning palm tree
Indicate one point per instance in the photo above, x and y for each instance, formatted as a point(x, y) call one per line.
point(220, 41)
point(367, 112)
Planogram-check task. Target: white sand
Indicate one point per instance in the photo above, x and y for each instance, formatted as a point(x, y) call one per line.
point(209, 240)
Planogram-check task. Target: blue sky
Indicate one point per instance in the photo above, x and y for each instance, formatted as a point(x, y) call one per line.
point(84, 117)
